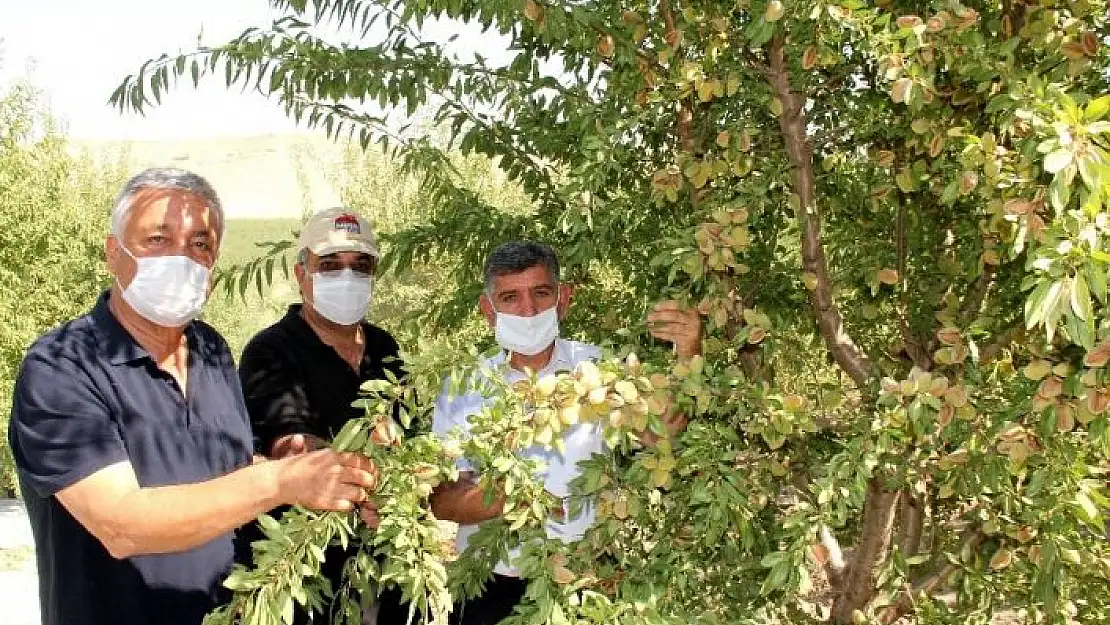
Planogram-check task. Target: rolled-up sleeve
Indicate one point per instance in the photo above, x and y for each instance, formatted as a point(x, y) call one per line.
point(62, 429)
point(450, 416)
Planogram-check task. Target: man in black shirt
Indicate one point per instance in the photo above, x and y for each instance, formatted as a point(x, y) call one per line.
point(130, 433)
point(301, 375)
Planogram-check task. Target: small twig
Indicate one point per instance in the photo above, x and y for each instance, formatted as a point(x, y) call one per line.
point(1006, 337)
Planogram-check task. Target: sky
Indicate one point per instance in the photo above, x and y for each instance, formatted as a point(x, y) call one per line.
point(78, 51)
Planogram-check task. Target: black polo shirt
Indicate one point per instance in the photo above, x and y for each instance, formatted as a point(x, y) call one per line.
point(294, 383)
point(88, 396)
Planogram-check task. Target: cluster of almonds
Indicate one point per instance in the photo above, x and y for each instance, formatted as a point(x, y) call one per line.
point(953, 399)
point(720, 309)
point(590, 394)
point(785, 415)
point(1017, 442)
point(1091, 401)
point(667, 182)
point(955, 351)
point(894, 65)
point(1024, 214)
point(720, 239)
point(961, 20)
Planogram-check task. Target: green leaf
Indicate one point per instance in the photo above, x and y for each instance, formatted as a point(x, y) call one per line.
point(1059, 192)
point(1097, 278)
point(1058, 160)
point(347, 435)
point(1097, 109)
point(1090, 171)
point(776, 578)
point(1081, 299)
point(1034, 304)
point(1087, 506)
point(287, 610)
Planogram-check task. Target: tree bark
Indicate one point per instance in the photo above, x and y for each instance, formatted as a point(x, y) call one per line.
point(858, 584)
point(911, 521)
point(974, 300)
point(792, 124)
point(918, 353)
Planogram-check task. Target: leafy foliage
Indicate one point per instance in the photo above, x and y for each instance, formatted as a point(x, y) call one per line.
point(892, 216)
point(53, 216)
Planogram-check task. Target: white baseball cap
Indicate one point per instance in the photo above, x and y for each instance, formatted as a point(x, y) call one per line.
point(338, 230)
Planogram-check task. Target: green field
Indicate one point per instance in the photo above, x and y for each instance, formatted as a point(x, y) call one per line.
point(240, 318)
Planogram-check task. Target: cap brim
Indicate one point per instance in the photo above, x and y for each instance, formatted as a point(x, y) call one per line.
point(345, 246)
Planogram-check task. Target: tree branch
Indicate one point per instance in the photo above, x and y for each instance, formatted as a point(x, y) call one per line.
point(792, 124)
point(929, 585)
point(911, 521)
point(918, 353)
point(858, 584)
point(1013, 17)
point(975, 296)
point(668, 17)
point(1006, 337)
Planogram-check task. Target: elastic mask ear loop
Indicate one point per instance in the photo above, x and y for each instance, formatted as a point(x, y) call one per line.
point(119, 243)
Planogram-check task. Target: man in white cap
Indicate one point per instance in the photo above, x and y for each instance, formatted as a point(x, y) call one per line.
point(301, 375)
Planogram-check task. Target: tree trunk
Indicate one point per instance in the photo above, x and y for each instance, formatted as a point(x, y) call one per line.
point(858, 585)
point(910, 523)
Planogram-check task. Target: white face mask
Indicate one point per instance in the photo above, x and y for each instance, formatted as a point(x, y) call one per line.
point(527, 335)
point(167, 290)
point(342, 297)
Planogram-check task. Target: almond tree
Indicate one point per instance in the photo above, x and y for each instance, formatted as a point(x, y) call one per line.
point(891, 215)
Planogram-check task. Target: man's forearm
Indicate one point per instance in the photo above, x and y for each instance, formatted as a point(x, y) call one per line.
point(464, 502)
point(167, 519)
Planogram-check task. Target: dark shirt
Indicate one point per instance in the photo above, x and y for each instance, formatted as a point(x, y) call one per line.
point(295, 383)
point(88, 396)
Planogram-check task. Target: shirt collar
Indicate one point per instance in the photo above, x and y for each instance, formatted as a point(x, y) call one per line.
point(118, 344)
point(297, 324)
point(560, 359)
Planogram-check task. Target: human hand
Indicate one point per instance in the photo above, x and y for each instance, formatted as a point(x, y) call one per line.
point(368, 511)
point(295, 444)
point(670, 321)
point(326, 479)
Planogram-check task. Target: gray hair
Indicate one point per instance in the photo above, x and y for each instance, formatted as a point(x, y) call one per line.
point(165, 178)
point(518, 256)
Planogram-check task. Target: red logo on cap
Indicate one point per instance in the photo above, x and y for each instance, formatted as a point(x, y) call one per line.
point(347, 223)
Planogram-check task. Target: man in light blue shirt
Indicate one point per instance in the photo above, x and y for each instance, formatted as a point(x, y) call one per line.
point(523, 303)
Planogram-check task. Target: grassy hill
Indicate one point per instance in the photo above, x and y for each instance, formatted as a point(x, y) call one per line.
point(268, 176)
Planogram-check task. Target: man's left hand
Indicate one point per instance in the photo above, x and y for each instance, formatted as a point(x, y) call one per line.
point(669, 321)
